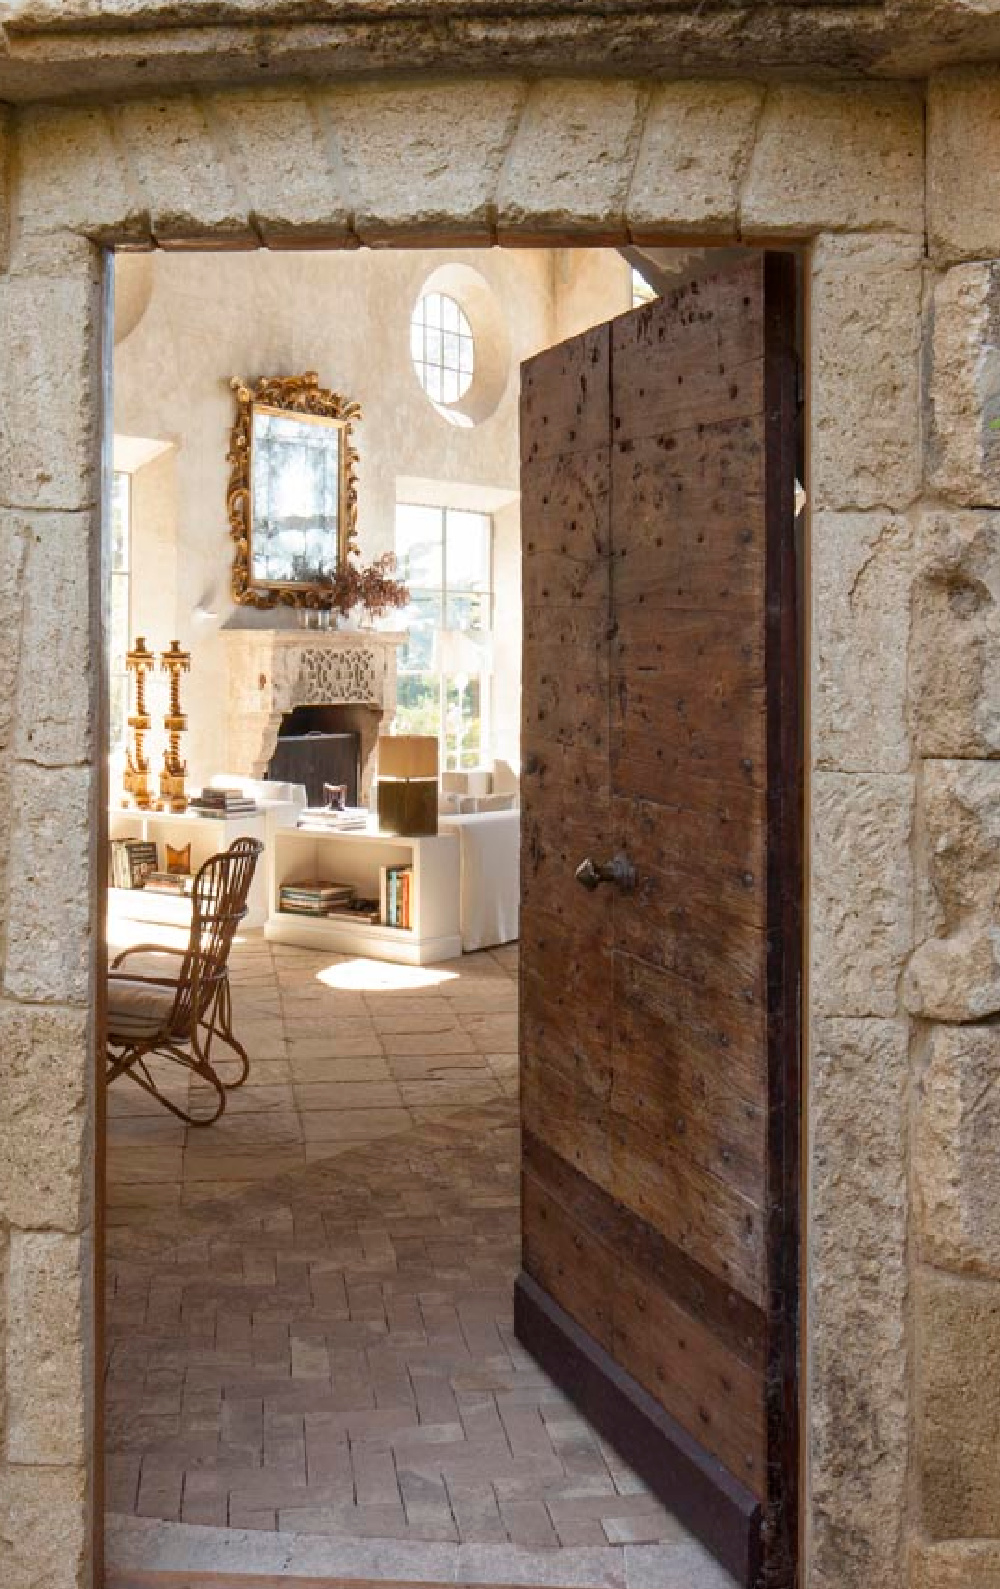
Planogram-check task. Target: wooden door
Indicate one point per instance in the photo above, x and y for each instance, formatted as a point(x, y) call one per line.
point(660, 1021)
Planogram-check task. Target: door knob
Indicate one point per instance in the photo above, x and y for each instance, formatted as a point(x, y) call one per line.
point(590, 874)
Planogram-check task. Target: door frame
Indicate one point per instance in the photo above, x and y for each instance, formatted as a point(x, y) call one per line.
point(482, 156)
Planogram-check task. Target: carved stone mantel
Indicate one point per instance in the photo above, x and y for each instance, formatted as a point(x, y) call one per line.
point(273, 670)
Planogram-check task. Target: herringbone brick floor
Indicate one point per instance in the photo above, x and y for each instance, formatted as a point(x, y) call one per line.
point(309, 1311)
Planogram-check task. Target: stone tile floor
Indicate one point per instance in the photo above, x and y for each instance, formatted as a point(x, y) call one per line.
point(309, 1311)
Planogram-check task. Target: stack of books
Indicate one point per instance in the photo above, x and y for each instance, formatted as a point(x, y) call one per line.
point(132, 862)
point(396, 896)
point(363, 910)
point(323, 819)
point(179, 883)
point(223, 803)
point(314, 897)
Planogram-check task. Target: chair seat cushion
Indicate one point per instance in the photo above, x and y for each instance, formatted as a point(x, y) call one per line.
point(137, 1009)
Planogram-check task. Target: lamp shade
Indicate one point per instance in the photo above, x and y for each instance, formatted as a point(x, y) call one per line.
point(407, 756)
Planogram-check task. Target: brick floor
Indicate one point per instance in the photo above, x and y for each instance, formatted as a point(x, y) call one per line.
point(309, 1312)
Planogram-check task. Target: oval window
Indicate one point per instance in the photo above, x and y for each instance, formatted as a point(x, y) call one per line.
point(442, 348)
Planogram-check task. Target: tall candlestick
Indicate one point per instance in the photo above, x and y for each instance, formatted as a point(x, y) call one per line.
point(172, 778)
point(139, 661)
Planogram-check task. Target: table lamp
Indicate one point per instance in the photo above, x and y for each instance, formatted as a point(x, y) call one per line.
point(406, 789)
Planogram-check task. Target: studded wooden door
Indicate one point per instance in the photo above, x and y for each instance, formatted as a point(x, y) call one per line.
point(661, 897)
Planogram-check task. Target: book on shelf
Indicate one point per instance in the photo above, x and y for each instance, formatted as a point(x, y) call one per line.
point(395, 896)
point(322, 819)
point(131, 862)
point(357, 910)
point(223, 803)
point(179, 884)
point(314, 896)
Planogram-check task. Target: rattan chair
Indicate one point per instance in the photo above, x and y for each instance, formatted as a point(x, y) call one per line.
point(177, 1004)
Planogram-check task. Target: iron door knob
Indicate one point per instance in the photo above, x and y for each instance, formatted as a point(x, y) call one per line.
point(619, 870)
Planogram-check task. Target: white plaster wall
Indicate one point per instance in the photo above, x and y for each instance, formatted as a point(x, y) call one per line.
point(589, 285)
point(346, 315)
point(155, 518)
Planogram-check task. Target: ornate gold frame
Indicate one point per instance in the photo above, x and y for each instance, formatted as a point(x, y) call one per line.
point(295, 394)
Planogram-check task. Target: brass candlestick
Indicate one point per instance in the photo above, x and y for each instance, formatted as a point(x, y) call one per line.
point(140, 660)
point(172, 791)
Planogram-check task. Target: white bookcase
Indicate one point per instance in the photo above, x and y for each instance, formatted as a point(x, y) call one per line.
point(206, 836)
point(298, 855)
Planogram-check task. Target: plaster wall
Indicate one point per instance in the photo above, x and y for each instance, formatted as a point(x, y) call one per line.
point(347, 316)
point(902, 1279)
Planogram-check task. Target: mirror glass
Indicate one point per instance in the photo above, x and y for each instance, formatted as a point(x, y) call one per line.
point(297, 483)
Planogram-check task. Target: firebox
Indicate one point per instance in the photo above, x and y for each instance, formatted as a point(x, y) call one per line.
point(315, 748)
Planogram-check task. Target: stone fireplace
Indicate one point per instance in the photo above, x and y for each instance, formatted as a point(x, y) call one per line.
point(273, 671)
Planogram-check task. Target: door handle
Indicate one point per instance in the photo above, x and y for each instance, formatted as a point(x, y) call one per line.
point(620, 871)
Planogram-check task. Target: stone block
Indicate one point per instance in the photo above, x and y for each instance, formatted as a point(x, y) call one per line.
point(187, 179)
point(963, 440)
point(50, 412)
point(954, 973)
point(570, 166)
point(72, 177)
point(44, 1117)
point(49, 929)
point(48, 1317)
point(957, 1182)
point(862, 891)
point(399, 154)
point(858, 1296)
point(963, 145)
point(958, 1404)
point(955, 657)
point(57, 705)
point(13, 559)
point(865, 372)
point(8, 145)
point(289, 163)
point(45, 1528)
point(861, 567)
point(836, 157)
point(964, 1565)
point(694, 152)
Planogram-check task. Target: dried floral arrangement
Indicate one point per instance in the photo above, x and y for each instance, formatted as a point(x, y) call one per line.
point(371, 586)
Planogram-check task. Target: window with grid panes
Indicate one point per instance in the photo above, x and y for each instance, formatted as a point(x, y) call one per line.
point(442, 348)
point(445, 557)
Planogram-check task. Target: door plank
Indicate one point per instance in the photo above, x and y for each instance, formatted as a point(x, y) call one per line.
point(696, 1211)
point(718, 1307)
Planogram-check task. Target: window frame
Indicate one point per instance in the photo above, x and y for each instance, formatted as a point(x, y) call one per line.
point(121, 480)
point(443, 595)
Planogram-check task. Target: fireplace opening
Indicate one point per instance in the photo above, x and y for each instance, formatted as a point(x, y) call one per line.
point(319, 745)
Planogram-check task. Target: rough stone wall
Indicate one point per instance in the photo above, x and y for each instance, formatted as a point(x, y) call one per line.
point(903, 572)
point(50, 708)
point(952, 982)
point(51, 49)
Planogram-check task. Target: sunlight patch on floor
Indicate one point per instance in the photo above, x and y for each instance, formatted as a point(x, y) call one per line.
point(378, 976)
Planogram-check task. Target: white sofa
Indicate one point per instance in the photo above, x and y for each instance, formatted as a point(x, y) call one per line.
point(490, 845)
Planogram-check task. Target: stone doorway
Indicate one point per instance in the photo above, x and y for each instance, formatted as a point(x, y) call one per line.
point(488, 160)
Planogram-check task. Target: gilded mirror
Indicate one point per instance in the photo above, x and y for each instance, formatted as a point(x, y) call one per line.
point(292, 496)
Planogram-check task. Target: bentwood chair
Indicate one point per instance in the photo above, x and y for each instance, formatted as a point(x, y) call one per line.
point(177, 1004)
